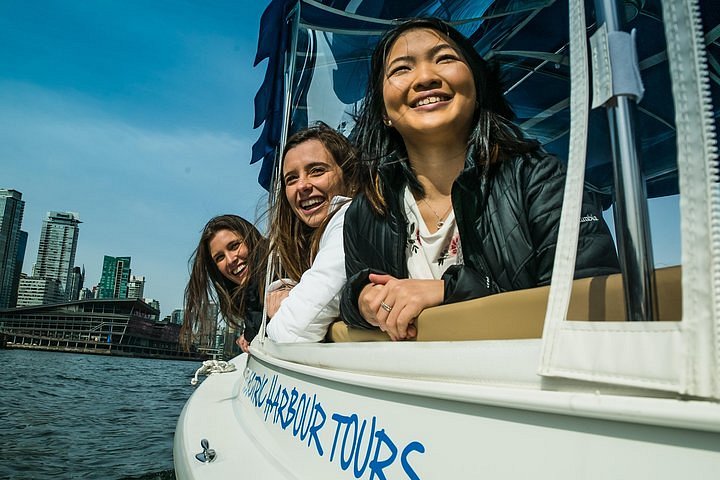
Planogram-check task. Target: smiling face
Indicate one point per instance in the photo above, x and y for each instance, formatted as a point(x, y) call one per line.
point(428, 89)
point(311, 178)
point(229, 253)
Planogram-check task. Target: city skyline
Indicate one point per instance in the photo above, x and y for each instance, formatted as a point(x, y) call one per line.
point(54, 261)
point(136, 115)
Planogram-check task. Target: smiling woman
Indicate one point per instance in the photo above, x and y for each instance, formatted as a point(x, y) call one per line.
point(227, 270)
point(458, 204)
point(439, 110)
point(306, 233)
point(312, 179)
point(229, 252)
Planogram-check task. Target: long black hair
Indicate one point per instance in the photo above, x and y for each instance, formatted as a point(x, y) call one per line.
point(493, 138)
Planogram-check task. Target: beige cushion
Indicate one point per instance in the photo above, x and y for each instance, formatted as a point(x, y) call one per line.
point(521, 314)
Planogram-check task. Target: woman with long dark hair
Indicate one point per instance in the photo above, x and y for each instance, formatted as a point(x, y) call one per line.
point(227, 270)
point(456, 203)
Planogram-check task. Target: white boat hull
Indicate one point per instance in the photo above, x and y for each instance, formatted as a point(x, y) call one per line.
point(270, 421)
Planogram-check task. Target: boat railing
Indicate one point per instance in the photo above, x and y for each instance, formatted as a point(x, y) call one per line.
point(521, 314)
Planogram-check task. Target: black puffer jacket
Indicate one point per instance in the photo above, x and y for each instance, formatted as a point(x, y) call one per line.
point(508, 224)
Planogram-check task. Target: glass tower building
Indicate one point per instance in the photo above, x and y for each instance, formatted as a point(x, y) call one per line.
point(115, 277)
point(12, 245)
point(56, 252)
point(77, 279)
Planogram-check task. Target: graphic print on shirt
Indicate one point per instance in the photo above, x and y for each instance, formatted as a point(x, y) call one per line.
point(450, 250)
point(413, 239)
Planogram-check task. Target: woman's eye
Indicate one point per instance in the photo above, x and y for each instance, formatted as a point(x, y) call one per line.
point(290, 180)
point(317, 171)
point(219, 258)
point(447, 58)
point(400, 69)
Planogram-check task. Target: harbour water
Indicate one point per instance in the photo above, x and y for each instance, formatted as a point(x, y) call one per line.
point(72, 416)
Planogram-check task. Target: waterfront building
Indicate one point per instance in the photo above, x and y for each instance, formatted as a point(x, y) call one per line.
point(112, 327)
point(56, 251)
point(11, 241)
point(115, 277)
point(136, 286)
point(77, 278)
point(39, 291)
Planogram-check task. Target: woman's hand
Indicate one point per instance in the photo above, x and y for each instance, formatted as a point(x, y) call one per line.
point(275, 298)
point(243, 344)
point(393, 304)
point(369, 302)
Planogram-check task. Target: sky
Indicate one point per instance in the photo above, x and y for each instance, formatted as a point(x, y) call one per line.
point(138, 116)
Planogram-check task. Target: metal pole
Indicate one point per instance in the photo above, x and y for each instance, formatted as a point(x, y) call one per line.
point(632, 226)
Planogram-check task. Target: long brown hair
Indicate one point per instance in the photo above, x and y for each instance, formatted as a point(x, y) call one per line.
point(293, 243)
point(208, 287)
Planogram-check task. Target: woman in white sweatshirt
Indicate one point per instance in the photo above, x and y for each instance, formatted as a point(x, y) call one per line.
point(306, 234)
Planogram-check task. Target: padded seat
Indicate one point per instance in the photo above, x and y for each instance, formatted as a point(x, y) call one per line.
point(521, 314)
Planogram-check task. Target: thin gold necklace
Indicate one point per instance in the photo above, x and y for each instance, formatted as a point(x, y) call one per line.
point(440, 220)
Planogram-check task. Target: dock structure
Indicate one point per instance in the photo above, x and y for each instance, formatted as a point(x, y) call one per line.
point(123, 327)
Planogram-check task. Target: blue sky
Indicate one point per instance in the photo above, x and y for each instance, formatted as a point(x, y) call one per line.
point(138, 116)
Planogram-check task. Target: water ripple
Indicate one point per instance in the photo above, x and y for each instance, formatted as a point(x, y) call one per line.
point(89, 417)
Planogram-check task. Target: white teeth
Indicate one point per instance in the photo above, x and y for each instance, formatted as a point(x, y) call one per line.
point(428, 101)
point(311, 202)
point(239, 269)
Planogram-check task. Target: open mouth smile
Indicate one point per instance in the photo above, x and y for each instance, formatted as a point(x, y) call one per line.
point(430, 100)
point(311, 204)
point(240, 269)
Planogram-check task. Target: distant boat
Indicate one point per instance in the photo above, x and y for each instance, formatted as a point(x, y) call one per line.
point(549, 383)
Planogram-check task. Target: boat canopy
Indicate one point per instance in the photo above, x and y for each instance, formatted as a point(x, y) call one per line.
point(324, 47)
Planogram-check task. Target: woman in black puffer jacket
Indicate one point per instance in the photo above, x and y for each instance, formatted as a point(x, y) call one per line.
point(457, 204)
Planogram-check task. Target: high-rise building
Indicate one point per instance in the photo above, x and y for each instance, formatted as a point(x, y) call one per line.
point(56, 252)
point(177, 316)
point(136, 286)
point(115, 277)
point(18, 268)
point(77, 278)
point(11, 213)
point(39, 291)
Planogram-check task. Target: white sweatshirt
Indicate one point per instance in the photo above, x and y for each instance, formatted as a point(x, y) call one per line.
point(314, 303)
